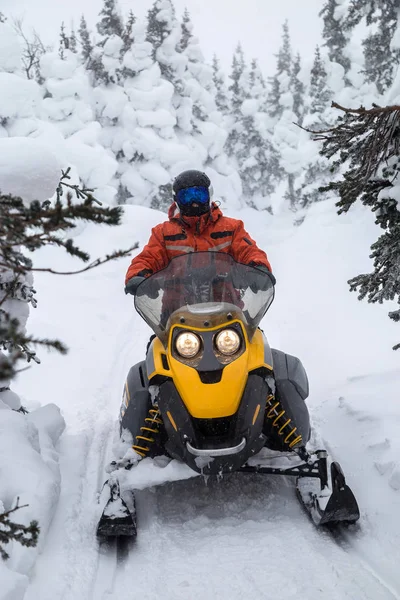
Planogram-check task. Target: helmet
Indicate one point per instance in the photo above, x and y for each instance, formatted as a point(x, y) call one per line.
point(192, 191)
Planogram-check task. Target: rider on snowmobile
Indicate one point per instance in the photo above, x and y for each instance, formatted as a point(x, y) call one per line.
point(196, 224)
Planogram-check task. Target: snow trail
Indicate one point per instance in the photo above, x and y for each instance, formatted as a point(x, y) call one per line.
point(246, 535)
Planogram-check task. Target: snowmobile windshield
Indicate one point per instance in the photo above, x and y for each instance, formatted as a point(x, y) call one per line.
point(203, 289)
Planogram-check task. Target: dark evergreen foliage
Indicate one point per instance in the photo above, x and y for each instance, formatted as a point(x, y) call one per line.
point(367, 142)
point(31, 228)
point(334, 34)
point(186, 27)
point(84, 37)
point(163, 199)
point(381, 60)
point(127, 35)
point(319, 93)
point(237, 96)
point(320, 98)
point(27, 535)
point(284, 67)
point(221, 91)
point(64, 42)
point(111, 22)
point(158, 29)
point(73, 42)
point(298, 90)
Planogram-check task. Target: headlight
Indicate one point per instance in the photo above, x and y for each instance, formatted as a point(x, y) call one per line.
point(187, 344)
point(227, 342)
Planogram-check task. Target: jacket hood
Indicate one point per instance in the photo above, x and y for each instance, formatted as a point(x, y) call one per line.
point(198, 223)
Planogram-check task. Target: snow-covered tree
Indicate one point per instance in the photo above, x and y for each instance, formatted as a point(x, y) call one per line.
point(285, 86)
point(335, 33)
point(68, 107)
point(238, 94)
point(85, 41)
point(319, 94)
point(30, 224)
point(221, 88)
point(64, 42)
point(187, 28)
point(257, 158)
point(110, 23)
point(281, 80)
point(127, 34)
point(297, 88)
point(164, 34)
point(382, 57)
point(73, 42)
point(318, 171)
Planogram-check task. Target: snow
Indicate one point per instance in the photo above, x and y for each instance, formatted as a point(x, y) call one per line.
point(29, 472)
point(28, 169)
point(10, 49)
point(19, 97)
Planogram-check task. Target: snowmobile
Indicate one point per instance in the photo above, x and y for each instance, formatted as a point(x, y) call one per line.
point(213, 394)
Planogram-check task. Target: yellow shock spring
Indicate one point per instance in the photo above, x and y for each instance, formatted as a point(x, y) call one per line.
point(275, 412)
point(150, 427)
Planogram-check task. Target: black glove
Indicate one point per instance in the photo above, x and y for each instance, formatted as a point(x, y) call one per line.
point(261, 283)
point(133, 284)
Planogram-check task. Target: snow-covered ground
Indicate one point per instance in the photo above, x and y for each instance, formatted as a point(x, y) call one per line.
point(246, 536)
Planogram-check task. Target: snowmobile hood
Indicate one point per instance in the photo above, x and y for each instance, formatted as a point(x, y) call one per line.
point(199, 224)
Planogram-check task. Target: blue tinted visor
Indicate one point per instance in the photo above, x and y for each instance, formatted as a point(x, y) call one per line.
point(197, 193)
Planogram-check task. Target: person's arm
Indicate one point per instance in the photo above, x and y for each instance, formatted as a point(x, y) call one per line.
point(245, 249)
point(152, 258)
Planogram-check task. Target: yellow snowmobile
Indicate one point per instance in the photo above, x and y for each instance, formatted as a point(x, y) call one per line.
point(212, 393)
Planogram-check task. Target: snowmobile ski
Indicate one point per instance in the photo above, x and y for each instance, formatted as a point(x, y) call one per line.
point(332, 505)
point(118, 519)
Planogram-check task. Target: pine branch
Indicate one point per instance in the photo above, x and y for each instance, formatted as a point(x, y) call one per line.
point(9, 531)
point(31, 227)
point(366, 142)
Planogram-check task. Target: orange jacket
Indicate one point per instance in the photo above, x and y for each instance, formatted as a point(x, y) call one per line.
point(179, 235)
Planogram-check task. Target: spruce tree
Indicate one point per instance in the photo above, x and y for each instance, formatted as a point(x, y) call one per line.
point(366, 143)
point(187, 28)
point(221, 89)
point(298, 89)
point(73, 42)
point(319, 170)
point(127, 35)
point(64, 42)
point(29, 227)
point(84, 37)
point(159, 23)
point(2, 18)
point(381, 60)
point(319, 93)
point(257, 158)
point(281, 79)
point(111, 22)
point(335, 34)
point(238, 95)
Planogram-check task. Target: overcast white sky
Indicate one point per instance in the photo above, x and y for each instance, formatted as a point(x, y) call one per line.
point(219, 24)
